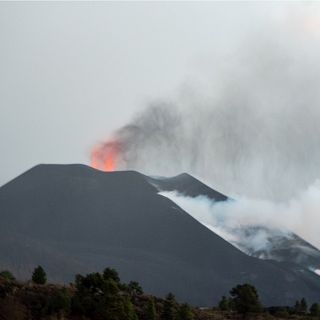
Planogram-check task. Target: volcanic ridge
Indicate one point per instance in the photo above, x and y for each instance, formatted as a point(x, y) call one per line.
point(75, 219)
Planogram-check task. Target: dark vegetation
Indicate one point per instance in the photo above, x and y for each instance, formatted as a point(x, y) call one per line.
point(102, 296)
point(39, 276)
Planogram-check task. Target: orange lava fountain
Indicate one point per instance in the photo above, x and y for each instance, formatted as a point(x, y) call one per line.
point(105, 157)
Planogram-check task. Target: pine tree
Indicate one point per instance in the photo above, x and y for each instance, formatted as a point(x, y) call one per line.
point(169, 307)
point(224, 304)
point(134, 289)
point(39, 276)
point(129, 310)
point(303, 306)
point(98, 296)
point(151, 311)
point(59, 302)
point(297, 307)
point(185, 312)
point(7, 275)
point(245, 299)
point(110, 273)
point(315, 310)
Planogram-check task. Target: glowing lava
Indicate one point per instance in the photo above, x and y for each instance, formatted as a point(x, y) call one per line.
point(105, 157)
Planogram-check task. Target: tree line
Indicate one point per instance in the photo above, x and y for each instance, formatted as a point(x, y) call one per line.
point(102, 296)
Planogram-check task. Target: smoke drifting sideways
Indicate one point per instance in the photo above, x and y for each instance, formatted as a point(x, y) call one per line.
point(249, 128)
point(233, 219)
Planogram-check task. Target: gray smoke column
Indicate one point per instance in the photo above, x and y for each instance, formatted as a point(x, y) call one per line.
point(250, 128)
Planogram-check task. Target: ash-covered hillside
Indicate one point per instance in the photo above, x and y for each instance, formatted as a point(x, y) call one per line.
point(255, 239)
point(72, 218)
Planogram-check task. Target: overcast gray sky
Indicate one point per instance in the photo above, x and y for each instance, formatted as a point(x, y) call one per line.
point(71, 73)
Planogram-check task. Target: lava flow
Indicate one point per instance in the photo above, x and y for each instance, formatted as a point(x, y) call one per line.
point(104, 157)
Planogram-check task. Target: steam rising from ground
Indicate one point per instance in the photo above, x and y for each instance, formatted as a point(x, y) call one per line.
point(228, 218)
point(249, 128)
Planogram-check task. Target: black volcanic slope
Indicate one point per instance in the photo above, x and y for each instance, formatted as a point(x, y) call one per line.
point(74, 219)
point(186, 185)
point(282, 246)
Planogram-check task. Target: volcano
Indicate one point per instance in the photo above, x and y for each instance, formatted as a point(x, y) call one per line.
point(75, 219)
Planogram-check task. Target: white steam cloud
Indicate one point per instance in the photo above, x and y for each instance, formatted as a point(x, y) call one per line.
point(231, 219)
